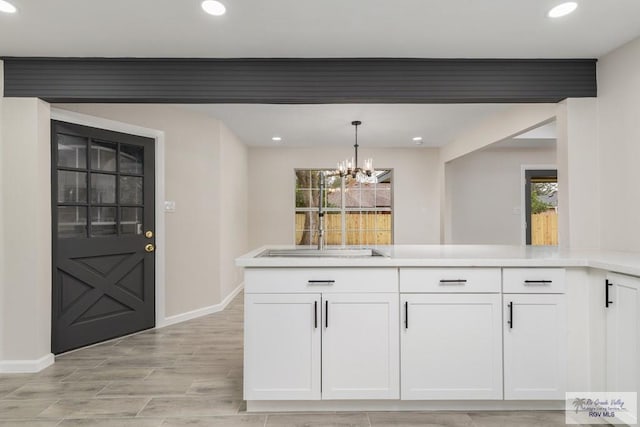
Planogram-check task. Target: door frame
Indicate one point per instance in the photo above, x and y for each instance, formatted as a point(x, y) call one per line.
point(158, 137)
point(523, 197)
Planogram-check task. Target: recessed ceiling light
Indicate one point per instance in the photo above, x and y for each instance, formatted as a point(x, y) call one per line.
point(213, 7)
point(276, 139)
point(7, 7)
point(562, 9)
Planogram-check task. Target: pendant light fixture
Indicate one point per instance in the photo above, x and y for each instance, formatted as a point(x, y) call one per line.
point(350, 166)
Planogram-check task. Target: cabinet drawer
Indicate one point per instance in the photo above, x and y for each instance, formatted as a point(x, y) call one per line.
point(533, 280)
point(325, 280)
point(450, 280)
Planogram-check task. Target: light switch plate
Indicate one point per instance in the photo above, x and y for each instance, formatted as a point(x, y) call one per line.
point(169, 206)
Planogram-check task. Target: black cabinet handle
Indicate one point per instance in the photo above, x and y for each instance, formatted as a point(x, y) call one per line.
point(315, 314)
point(406, 314)
point(321, 282)
point(453, 281)
point(607, 283)
point(537, 282)
point(326, 314)
point(510, 321)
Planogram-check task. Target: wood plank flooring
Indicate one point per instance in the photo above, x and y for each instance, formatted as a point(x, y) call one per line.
point(189, 374)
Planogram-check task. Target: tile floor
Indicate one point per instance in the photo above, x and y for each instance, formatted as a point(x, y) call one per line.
point(188, 374)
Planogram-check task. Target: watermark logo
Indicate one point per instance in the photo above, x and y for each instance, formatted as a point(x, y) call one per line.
point(588, 407)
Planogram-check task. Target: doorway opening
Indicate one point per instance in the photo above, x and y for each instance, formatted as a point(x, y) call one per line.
point(541, 207)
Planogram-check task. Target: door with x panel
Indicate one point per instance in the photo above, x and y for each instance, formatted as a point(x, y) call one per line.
point(103, 235)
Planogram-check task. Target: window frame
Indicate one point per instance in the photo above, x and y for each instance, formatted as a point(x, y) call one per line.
point(343, 210)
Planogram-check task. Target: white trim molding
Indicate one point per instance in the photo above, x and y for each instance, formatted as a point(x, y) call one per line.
point(183, 317)
point(158, 135)
point(26, 366)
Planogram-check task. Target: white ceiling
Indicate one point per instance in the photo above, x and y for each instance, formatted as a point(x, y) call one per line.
point(383, 125)
point(327, 28)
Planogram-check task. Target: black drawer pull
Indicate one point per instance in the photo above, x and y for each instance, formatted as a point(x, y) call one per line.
point(606, 293)
point(326, 314)
point(510, 321)
point(321, 282)
point(406, 314)
point(453, 281)
point(537, 282)
point(315, 314)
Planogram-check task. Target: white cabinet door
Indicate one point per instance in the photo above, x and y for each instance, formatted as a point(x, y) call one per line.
point(282, 346)
point(360, 346)
point(623, 333)
point(535, 337)
point(451, 346)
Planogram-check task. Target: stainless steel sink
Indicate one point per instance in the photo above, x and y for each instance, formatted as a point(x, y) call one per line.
point(317, 253)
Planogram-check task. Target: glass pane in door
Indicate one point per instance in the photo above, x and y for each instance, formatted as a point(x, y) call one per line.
point(72, 187)
point(103, 188)
point(103, 221)
point(72, 221)
point(72, 151)
point(103, 156)
point(131, 190)
point(131, 221)
point(131, 159)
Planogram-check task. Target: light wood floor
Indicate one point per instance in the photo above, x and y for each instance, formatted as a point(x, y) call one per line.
point(188, 374)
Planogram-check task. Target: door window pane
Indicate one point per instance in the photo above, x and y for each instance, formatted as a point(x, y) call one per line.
point(72, 151)
point(72, 222)
point(131, 190)
point(103, 188)
point(103, 156)
point(72, 187)
point(103, 221)
point(131, 220)
point(131, 159)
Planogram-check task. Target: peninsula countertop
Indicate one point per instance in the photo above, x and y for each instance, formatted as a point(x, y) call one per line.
point(457, 256)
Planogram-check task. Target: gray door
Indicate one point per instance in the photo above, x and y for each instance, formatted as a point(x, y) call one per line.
point(103, 235)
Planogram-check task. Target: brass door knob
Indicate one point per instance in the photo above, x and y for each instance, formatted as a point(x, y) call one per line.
point(149, 248)
point(148, 234)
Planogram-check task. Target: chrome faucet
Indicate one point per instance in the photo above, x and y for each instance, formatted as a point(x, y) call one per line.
point(321, 214)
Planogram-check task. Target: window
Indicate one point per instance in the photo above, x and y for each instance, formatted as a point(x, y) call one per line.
point(363, 211)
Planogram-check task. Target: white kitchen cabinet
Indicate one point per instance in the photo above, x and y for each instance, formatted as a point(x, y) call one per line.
point(535, 354)
point(360, 342)
point(282, 346)
point(451, 346)
point(623, 333)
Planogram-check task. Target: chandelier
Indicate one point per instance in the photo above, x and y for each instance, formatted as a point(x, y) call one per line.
point(349, 167)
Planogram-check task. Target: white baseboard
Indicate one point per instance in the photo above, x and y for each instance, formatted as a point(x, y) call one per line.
point(26, 366)
point(402, 405)
point(183, 317)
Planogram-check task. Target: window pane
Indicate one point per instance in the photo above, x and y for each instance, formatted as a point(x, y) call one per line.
point(103, 188)
point(303, 178)
point(131, 220)
point(103, 156)
point(383, 196)
point(131, 159)
point(72, 222)
point(131, 190)
point(72, 187)
point(103, 221)
point(72, 151)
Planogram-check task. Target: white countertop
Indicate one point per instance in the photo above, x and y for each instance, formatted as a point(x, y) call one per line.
point(460, 256)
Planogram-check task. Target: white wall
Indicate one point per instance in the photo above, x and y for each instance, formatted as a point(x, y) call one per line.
point(272, 182)
point(619, 147)
point(25, 315)
point(234, 207)
point(483, 189)
point(194, 178)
